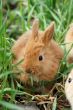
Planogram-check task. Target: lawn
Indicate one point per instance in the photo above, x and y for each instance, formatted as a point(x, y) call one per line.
point(16, 17)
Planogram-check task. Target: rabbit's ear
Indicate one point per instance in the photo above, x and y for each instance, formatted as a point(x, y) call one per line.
point(48, 33)
point(35, 28)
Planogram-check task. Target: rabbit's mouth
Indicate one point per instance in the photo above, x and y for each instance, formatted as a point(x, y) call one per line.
point(32, 74)
point(28, 71)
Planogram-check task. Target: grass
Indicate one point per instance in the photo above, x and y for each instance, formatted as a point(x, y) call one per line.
point(15, 18)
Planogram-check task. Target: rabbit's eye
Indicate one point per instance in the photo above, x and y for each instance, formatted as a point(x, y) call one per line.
point(69, 80)
point(40, 58)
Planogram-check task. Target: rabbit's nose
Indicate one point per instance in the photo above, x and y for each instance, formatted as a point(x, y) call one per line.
point(28, 70)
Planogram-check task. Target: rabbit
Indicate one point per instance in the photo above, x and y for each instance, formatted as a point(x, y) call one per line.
point(69, 88)
point(40, 53)
point(69, 43)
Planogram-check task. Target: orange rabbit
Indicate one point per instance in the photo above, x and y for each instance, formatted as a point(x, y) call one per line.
point(69, 43)
point(40, 53)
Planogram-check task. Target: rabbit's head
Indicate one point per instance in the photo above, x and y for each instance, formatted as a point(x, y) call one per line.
point(42, 55)
point(69, 88)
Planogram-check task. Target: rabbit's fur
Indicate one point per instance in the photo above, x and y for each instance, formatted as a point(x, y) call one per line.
point(69, 88)
point(33, 45)
point(69, 43)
